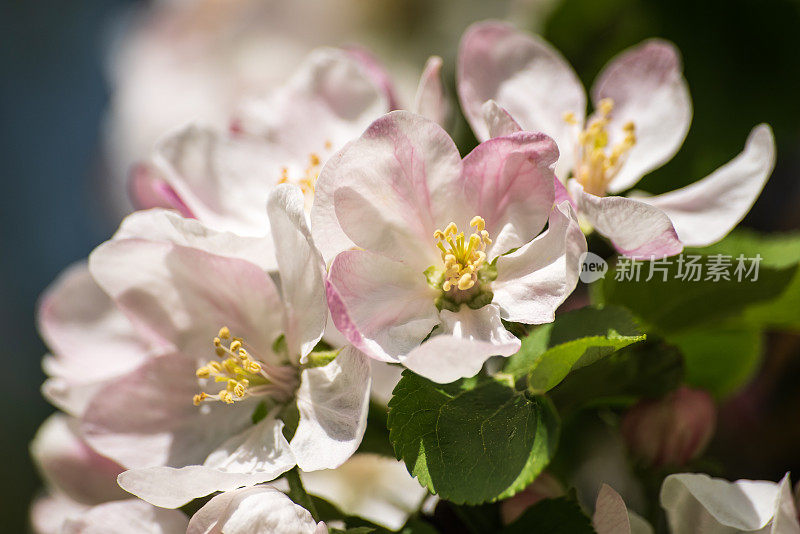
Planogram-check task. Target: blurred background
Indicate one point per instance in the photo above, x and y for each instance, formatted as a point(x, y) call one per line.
point(87, 87)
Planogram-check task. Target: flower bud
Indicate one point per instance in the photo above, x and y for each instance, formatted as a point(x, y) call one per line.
point(671, 430)
point(544, 487)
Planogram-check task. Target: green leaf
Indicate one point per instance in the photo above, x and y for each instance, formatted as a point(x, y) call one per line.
point(781, 313)
point(471, 441)
point(721, 358)
point(574, 340)
point(779, 251)
point(674, 304)
point(647, 369)
point(553, 516)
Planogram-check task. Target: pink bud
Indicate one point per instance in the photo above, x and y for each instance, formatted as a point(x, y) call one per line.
point(544, 487)
point(671, 430)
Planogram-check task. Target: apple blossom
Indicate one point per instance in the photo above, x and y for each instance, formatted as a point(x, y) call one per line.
point(200, 304)
point(509, 80)
point(256, 510)
point(224, 179)
point(402, 199)
point(82, 492)
point(699, 503)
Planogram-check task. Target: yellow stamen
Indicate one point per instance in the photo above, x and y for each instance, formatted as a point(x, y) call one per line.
point(596, 165)
point(462, 257)
point(238, 370)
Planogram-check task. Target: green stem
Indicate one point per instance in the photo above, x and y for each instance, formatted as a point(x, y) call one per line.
point(298, 493)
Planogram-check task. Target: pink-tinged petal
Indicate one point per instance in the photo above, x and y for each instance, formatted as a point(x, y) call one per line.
point(535, 279)
point(259, 510)
point(498, 121)
point(470, 338)
point(610, 513)
point(168, 487)
point(375, 70)
point(49, 512)
point(509, 182)
point(636, 229)
point(333, 401)
point(563, 195)
point(69, 465)
point(328, 101)
point(148, 189)
point(162, 225)
point(527, 77)
point(647, 86)
point(161, 425)
point(224, 181)
point(384, 308)
point(705, 211)
point(371, 486)
point(130, 516)
point(301, 269)
point(403, 175)
point(431, 98)
point(91, 339)
point(184, 295)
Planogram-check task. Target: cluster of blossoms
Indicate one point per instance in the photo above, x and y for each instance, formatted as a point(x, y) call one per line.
point(226, 341)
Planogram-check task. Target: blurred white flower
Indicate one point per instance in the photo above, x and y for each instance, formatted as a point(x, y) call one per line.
point(698, 503)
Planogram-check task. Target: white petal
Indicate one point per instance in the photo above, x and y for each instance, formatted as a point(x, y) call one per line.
point(385, 377)
point(301, 270)
point(374, 487)
point(527, 77)
point(705, 211)
point(127, 517)
point(49, 512)
point(698, 503)
point(330, 99)
point(648, 88)
point(535, 279)
point(333, 401)
point(67, 463)
point(171, 488)
point(168, 226)
point(90, 337)
point(431, 99)
point(146, 417)
point(259, 510)
point(223, 180)
point(403, 175)
point(498, 121)
point(384, 308)
point(262, 448)
point(470, 338)
point(636, 229)
point(184, 295)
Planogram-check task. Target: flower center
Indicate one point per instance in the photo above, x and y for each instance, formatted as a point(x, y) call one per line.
point(307, 180)
point(463, 257)
point(243, 375)
point(596, 165)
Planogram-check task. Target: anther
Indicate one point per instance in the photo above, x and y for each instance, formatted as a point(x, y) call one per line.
point(224, 332)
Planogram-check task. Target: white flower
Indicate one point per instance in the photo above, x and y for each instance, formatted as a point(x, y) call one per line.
point(199, 304)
